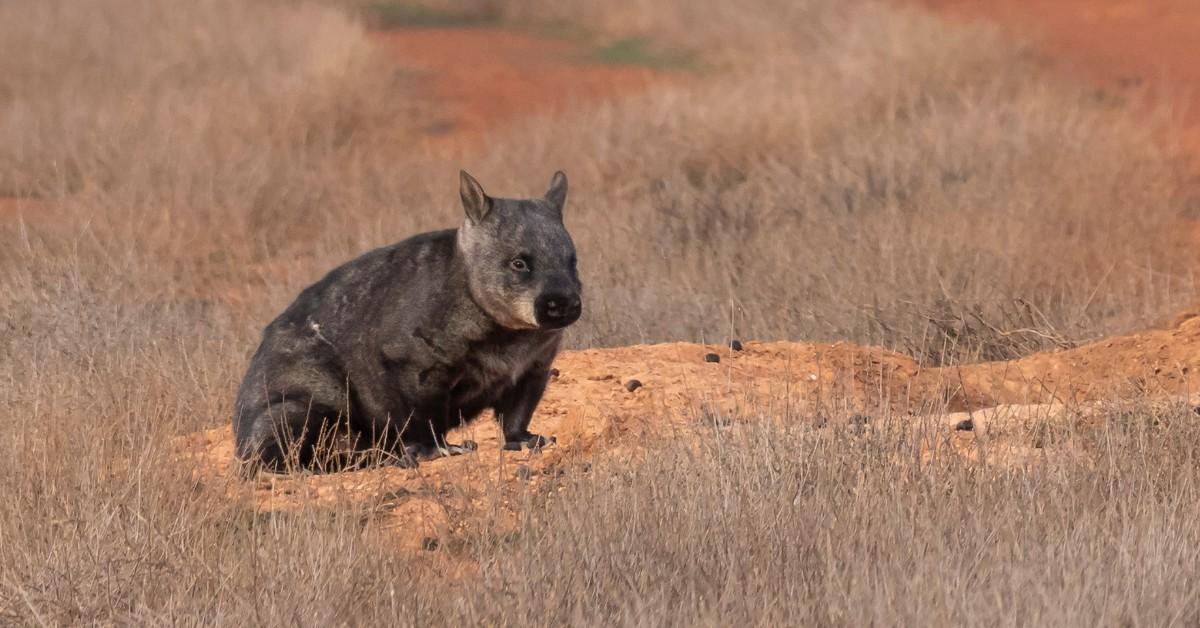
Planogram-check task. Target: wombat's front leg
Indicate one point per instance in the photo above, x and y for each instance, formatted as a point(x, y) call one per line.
point(426, 439)
point(515, 410)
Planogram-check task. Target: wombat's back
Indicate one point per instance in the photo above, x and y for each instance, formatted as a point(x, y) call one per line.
point(307, 352)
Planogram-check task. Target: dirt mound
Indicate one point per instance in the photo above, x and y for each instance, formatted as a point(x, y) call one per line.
point(591, 408)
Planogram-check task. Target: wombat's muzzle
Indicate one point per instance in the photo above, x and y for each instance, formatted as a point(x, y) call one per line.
point(557, 310)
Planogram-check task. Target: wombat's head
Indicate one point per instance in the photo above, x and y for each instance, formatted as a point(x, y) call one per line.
point(520, 258)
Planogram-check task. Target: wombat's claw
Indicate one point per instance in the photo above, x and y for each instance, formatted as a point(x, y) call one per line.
point(467, 446)
point(407, 461)
point(531, 441)
point(421, 451)
point(538, 441)
point(425, 451)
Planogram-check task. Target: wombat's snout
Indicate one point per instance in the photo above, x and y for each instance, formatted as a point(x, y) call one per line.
point(556, 310)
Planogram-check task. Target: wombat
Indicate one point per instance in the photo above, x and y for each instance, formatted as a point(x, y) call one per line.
point(380, 358)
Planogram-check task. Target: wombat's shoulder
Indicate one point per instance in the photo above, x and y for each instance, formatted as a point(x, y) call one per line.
point(432, 248)
point(357, 283)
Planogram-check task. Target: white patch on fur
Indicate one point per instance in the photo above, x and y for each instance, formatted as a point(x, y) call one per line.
point(316, 329)
point(525, 312)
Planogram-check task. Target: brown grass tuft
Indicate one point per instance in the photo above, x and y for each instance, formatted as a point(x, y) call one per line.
point(173, 173)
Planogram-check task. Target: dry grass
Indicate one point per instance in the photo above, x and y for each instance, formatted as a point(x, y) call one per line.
point(795, 526)
point(878, 176)
point(883, 180)
point(838, 170)
point(763, 524)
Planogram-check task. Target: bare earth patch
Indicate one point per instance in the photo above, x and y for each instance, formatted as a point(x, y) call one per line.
point(524, 75)
point(591, 410)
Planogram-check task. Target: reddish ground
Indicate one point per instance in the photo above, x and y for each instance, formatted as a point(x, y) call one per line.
point(483, 77)
point(1153, 44)
point(592, 412)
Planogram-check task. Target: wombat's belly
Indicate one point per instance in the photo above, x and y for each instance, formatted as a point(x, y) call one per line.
point(447, 393)
point(445, 396)
point(470, 397)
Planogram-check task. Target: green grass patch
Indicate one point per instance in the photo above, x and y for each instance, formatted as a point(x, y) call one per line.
point(561, 30)
point(640, 51)
point(394, 15)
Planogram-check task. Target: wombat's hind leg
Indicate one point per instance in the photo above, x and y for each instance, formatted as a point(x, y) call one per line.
point(386, 450)
point(294, 435)
point(281, 439)
point(343, 448)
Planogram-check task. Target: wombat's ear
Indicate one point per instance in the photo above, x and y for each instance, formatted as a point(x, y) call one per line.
point(557, 194)
point(475, 201)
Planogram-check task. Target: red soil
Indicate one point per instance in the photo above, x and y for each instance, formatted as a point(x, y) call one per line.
point(481, 78)
point(1152, 44)
point(590, 409)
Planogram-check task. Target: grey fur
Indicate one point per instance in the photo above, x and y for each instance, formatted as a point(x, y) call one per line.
point(389, 351)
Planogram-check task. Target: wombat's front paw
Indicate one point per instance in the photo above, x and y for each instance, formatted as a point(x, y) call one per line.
point(538, 441)
point(427, 451)
point(529, 440)
point(466, 447)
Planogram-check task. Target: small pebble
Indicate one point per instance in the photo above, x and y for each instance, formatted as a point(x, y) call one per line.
point(524, 473)
point(429, 543)
point(966, 425)
point(712, 357)
point(632, 385)
point(554, 373)
point(736, 345)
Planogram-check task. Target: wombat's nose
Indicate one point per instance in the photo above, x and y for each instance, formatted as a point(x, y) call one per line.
point(558, 310)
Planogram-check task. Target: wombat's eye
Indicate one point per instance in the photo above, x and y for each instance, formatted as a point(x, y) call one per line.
point(519, 265)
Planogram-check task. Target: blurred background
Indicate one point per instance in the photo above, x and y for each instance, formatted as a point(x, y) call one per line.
point(811, 170)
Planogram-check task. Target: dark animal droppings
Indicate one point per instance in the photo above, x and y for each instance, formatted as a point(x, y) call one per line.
point(632, 385)
point(429, 543)
point(712, 357)
point(524, 473)
point(736, 345)
point(965, 425)
point(554, 373)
